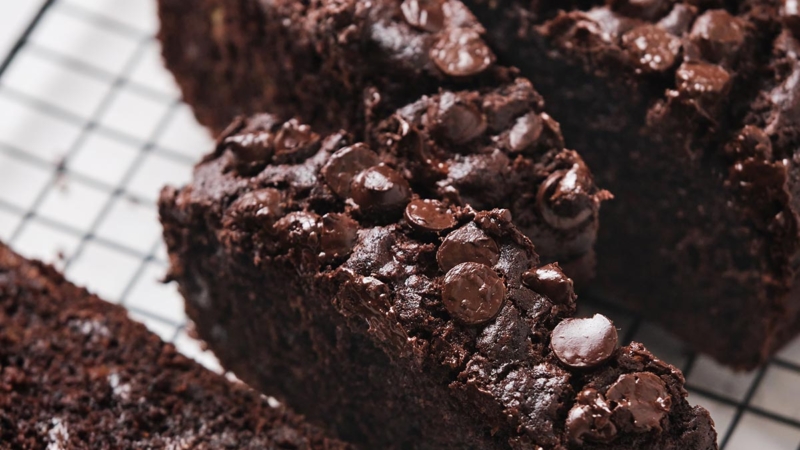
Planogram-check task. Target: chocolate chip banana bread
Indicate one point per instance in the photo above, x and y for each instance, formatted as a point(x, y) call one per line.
point(396, 316)
point(688, 112)
point(328, 62)
point(76, 372)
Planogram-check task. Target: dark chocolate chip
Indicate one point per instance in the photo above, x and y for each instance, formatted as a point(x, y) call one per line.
point(251, 148)
point(467, 244)
point(584, 342)
point(344, 164)
point(461, 52)
point(380, 190)
point(339, 234)
point(590, 419)
point(428, 15)
point(551, 282)
point(701, 80)
point(459, 122)
point(295, 142)
point(752, 142)
point(262, 204)
point(717, 35)
point(473, 293)
point(526, 132)
point(643, 9)
point(564, 198)
point(298, 228)
point(429, 216)
point(651, 48)
point(642, 401)
point(679, 19)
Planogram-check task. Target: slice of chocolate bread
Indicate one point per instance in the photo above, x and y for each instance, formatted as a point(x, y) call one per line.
point(76, 372)
point(688, 111)
point(325, 61)
point(402, 320)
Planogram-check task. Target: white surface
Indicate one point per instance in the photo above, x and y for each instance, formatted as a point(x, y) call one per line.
point(14, 17)
point(88, 95)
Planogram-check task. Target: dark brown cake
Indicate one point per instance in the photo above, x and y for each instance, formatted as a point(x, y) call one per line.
point(688, 110)
point(398, 320)
point(76, 372)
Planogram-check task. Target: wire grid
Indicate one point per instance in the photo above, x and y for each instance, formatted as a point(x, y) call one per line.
point(91, 127)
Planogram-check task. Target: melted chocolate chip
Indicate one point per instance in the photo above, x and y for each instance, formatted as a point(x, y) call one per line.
point(642, 401)
point(461, 52)
point(565, 200)
point(551, 282)
point(380, 190)
point(701, 80)
point(651, 48)
point(467, 244)
point(263, 204)
point(295, 142)
point(525, 133)
point(339, 234)
point(429, 216)
point(250, 150)
point(343, 165)
point(428, 15)
point(584, 342)
point(299, 228)
point(459, 122)
point(644, 9)
point(473, 293)
point(590, 419)
point(717, 35)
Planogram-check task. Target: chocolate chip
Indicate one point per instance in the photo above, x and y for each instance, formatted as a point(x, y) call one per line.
point(752, 142)
point(642, 401)
point(564, 198)
point(702, 80)
point(298, 228)
point(551, 282)
point(459, 122)
point(473, 293)
point(295, 142)
point(467, 244)
point(791, 16)
point(590, 418)
point(584, 342)
point(461, 52)
point(679, 19)
point(380, 190)
point(651, 48)
point(262, 204)
point(250, 150)
point(643, 9)
point(526, 132)
point(428, 15)
point(717, 35)
point(504, 105)
point(339, 234)
point(429, 216)
point(344, 164)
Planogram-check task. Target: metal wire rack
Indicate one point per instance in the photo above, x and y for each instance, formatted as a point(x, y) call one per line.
point(92, 126)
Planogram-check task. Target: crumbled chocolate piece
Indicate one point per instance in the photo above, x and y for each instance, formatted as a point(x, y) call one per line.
point(430, 216)
point(751, 142)
point(550, 281)
point(428, 15)
point(564, 199)
point(461, 52)
point(641, 401)
point(467, 244)
point(473, 293)
point(458, 121)
point(584, 343)
point(380, 190)
point(339, 233)
point(590, 419)
point(651, 48)
point(345, 164)
point(718, 36)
